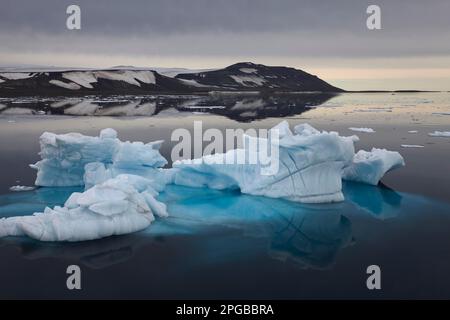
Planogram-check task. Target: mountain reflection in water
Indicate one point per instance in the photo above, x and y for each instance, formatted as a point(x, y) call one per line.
point(243, 108)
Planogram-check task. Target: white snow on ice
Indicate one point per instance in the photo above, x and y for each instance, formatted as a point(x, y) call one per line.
point(440, 134)
point(370, 167)
point(367, 130)
point(21, 188)
point(412, 146)
point(122, 179)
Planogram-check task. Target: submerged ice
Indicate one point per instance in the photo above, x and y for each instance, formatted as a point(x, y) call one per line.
point(123, 179)
point(111, 208)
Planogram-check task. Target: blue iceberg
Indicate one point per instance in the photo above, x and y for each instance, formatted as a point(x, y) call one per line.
point(122, 180)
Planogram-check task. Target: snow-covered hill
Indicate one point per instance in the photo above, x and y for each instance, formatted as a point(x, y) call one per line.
point(132, 80)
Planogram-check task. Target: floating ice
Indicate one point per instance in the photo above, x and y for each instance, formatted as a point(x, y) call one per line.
point(413, 131)
point(412, 146)
point(367, 130)
point(21, 188)
point(310, 164)
point(369, 167)
point(123, 179)
point(118, 206)
point(441, 113)
point(440, 134)
point(65, 156)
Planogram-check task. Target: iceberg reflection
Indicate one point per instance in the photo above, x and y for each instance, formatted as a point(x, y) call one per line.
point(309, 235)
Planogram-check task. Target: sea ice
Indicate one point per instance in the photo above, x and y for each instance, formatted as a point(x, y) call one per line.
point(310, 165)
point(367, 130)
point(65, 156)
point(123, 179)
point(369, 167)
point(440, 134)
point(412, 146)
point(117, 206)
point(21, 188)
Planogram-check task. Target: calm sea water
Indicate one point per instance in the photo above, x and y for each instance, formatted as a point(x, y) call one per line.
point(227, 245)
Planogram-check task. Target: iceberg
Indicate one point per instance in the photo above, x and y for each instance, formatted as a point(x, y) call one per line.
point(370, 167)
point(117, 206)
point(65, 156)
point(122, 180)
point(309, 171)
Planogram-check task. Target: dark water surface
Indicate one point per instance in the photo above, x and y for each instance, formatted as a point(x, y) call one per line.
point(227, 245)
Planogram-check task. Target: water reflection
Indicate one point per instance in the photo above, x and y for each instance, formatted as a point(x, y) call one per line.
point(380, 201)
point(310, 236)
point(243, 108)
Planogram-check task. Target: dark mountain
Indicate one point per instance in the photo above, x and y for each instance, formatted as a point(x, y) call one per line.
point(129, 80)
point(88, 82)
point(249, 76)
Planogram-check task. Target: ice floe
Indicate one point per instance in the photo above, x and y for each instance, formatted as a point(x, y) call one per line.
point(310, 164)
point(370, 167)
point(117, 206)
point(412, 146)
point(367, 130)
point(122, 180)
point(439, 134)
point(21, 188)
point(65, 156)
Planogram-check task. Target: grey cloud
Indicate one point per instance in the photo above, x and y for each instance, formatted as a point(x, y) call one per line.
point(228, 27)
point(184, 16)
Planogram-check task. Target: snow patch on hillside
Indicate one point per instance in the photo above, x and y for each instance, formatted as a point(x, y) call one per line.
point(249, 81)
point(70, 85)
point(248, 70)
point(16, 75)
point(84, 79)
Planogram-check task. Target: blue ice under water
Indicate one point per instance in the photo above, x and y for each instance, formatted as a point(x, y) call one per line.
point(310, 234)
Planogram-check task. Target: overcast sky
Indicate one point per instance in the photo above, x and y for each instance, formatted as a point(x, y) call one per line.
point(325, 37)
